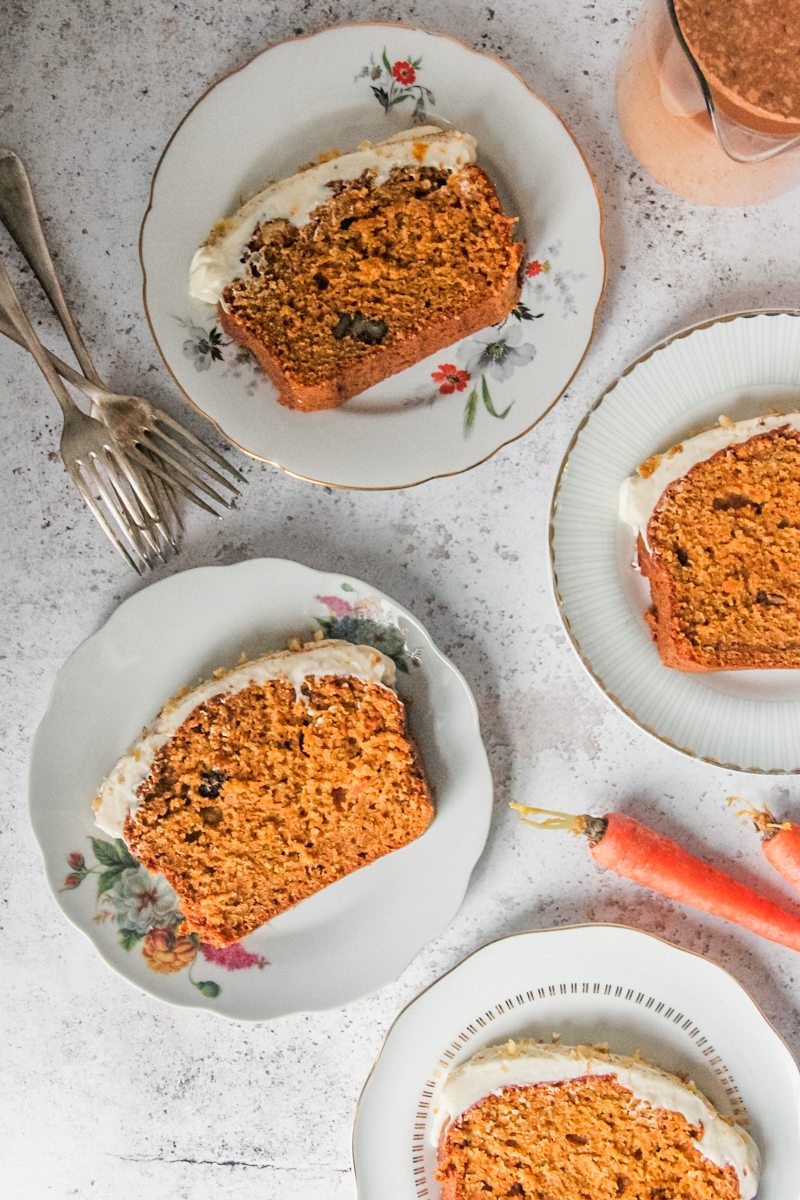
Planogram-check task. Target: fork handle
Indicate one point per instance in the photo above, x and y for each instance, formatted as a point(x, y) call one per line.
point(89, 389)
point(19, 214)
point(12, 307)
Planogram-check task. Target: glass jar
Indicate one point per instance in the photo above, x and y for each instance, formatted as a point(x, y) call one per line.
point(708, 104)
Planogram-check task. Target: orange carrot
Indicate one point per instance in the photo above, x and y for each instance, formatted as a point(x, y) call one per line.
point(630, 849)
point(780, 840)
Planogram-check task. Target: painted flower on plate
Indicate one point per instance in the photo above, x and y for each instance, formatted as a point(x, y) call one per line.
point(203, 346)
point(337, 605)
point(142, 901)
point(165, 952)
point(498, 355)
point(365, 622)
point(232, 958)
point(404, 73)
point(450, 378)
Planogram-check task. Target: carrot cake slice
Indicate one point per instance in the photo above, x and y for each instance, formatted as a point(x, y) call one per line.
point(267, 782)
point(542, 1121)
point(718, 537)
point(362, 264)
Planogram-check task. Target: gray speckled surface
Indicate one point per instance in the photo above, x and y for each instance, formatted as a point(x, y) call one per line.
point(112, 1092)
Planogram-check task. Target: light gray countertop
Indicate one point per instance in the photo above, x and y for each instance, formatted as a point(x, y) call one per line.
point(107, 1092)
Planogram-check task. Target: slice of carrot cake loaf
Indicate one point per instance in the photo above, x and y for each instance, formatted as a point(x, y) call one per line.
point(718, 532)
point(533, 1121)
point(264, 784)
point(362, 264)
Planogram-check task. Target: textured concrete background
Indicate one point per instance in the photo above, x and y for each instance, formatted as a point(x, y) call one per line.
point(107, 1092)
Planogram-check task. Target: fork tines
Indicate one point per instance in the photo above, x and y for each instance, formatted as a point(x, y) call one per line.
point(175, 456)
point(141, 505)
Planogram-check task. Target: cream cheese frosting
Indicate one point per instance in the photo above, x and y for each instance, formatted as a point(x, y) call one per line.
point(525, 1063)
point(640, 494)
point(218, 261)
point(117, 796)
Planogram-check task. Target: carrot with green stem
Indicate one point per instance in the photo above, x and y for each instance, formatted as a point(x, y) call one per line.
point(780, 840)
point(630, 849)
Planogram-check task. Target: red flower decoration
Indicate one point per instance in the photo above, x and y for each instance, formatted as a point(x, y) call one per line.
point(533, 268)
point(450, 378)
point(337, 605)
point(404, 73)
point(232, 958)
point(71, 881)
point(76, 860)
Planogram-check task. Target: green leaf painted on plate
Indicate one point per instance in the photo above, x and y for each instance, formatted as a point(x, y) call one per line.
point(112, 854)
point(107, 879)
point(523, 312)
point(125, 856)
point(385, 60)
point(106, 853)
point(382, 96)
point(470, 412)
point(364, 631)
point(128, 938)
point(487, 403)
point(348, 587)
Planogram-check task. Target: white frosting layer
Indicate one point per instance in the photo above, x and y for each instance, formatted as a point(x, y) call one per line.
point(526, 1063)
point(639, 495)
point(117, 797)
point(218, 261)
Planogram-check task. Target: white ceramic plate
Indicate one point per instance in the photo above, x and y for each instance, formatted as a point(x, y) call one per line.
point(337, 88)
point(589, 983)
point(332, 947)
point(740, 365)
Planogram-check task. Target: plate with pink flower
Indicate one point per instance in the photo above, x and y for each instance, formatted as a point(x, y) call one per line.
point(333, 947)
point(337, 88)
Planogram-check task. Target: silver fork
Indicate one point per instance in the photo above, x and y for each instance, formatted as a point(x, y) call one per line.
point(171, 455)
point(150, 438)
point(91, 455)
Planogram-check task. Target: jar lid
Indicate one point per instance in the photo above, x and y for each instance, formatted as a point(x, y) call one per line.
point(749, 52)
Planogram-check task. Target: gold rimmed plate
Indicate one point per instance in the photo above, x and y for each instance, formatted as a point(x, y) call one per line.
point(589, 984)
point(335, 89)
point(739, 365)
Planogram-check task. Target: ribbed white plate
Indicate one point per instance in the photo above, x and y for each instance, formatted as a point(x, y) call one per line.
point(741, 365)
point(588, 983)
point(347, 940)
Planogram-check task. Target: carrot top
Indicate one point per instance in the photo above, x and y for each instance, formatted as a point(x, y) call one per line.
point(591, 827)
point(765, 823)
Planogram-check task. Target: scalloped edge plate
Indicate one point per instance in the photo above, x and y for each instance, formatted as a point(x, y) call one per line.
point(335, 88)
point(333, 947)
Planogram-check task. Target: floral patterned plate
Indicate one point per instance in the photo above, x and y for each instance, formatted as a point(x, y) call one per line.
point(333, 947)
point(336, 88)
